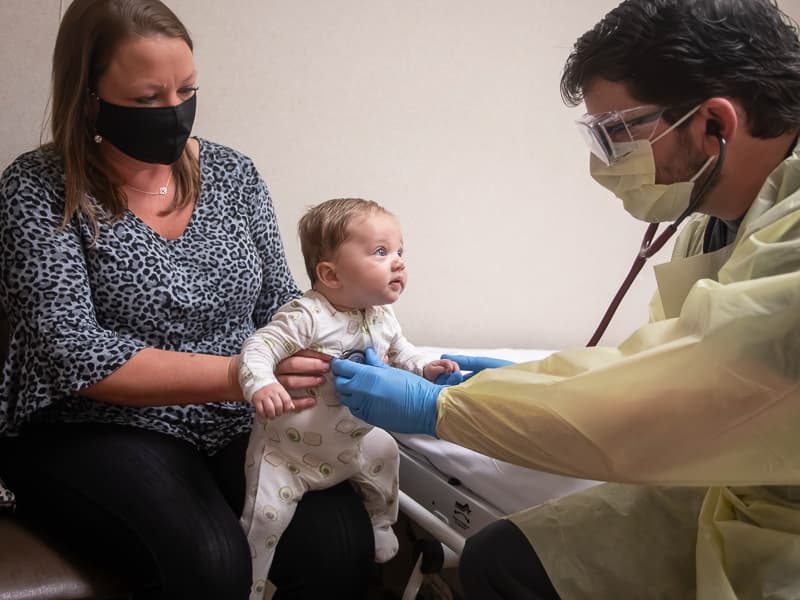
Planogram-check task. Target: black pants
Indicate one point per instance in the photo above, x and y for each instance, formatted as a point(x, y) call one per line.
point(167, 517)
point(498, 562)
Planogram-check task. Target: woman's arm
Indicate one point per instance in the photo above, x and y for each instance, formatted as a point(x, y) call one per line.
point(155, 377)
point(158, 377)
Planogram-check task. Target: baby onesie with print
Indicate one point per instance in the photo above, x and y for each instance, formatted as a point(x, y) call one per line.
point(324, 445)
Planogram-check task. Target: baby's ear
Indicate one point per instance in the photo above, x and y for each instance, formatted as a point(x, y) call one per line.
point(326, 275)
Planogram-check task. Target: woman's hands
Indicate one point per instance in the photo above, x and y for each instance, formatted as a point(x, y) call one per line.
point(300, 372)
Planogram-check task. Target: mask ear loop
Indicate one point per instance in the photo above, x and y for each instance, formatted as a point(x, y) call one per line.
point(650, 247)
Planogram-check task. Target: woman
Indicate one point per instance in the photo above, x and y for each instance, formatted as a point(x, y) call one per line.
point(135, 261)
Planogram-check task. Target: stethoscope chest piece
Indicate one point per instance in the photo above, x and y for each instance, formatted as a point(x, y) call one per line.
point(357, 356)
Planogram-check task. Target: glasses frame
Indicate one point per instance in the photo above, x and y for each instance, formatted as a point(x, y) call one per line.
point(602, 132)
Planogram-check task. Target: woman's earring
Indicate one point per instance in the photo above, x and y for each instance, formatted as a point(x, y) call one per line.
point(98, 138)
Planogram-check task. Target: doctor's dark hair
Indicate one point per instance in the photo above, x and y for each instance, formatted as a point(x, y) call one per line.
point(324, 227)
point(678, 53)
point(89, 34)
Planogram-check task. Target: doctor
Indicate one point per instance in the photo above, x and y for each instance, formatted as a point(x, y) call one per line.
point(693, 106)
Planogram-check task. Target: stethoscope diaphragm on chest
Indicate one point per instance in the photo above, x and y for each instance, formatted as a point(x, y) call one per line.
point(357, 356)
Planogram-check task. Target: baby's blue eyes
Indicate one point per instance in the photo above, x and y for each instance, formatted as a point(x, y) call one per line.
point(381, 251)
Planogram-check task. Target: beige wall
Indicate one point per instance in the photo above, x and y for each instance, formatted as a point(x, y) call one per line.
point(447, 112)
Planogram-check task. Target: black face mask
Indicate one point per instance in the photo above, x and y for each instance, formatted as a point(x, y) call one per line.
point(151, 135)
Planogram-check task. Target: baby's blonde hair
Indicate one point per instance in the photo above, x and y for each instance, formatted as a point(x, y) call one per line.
point(323, 228)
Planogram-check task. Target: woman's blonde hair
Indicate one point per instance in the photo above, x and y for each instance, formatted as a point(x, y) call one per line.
point(323, 228)
point(89, 34)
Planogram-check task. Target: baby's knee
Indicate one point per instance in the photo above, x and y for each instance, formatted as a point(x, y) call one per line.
point(379, 443)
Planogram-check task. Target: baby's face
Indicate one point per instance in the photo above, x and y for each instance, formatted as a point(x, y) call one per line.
point(370, 262)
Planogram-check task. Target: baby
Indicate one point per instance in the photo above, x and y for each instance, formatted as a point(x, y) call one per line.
point(353, 251)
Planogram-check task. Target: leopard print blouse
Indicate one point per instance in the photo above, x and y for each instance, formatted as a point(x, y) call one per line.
point(79, 310)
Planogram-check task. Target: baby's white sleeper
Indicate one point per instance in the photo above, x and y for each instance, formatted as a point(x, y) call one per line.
point(324, 445)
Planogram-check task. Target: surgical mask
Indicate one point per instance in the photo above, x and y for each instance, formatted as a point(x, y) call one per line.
point(628, 169)
point(632, 180)
point(151, 135)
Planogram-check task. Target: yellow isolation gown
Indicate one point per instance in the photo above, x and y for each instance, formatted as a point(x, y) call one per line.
point(695, 418)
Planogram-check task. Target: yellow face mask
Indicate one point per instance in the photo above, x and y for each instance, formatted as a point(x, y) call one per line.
point(632, 179)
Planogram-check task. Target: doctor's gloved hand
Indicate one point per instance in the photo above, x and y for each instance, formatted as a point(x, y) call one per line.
point(474, 364)
point(387, 397)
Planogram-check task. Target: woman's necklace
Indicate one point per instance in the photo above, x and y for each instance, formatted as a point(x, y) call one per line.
point(162, 191)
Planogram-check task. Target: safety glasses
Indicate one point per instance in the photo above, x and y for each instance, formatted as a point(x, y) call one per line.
point(604, 132)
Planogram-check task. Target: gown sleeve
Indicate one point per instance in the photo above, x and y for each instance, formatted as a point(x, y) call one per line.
point(709, 397)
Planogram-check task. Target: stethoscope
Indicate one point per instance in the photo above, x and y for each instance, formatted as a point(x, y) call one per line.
point(650, 246)
point(357, 356)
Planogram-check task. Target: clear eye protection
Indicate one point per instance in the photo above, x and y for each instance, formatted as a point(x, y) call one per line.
point(605, 132)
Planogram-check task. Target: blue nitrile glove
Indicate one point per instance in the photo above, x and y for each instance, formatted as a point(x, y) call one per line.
point(387, 397)
point(453, 378)
point(475, 364)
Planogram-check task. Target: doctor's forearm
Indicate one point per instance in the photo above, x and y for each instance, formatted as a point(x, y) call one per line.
point(156, 377)
point(686, 435)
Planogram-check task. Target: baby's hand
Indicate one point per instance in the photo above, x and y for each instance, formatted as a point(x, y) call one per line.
point(272, 401)
point(437, 367)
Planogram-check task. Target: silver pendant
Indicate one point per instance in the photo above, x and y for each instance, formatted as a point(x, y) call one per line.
point(162, 190)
